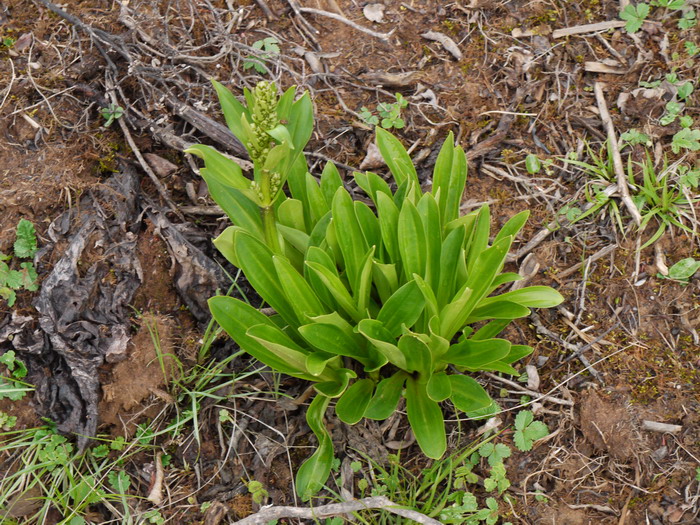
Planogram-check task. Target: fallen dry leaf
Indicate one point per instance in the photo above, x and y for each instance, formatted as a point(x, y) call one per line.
point(374, 12)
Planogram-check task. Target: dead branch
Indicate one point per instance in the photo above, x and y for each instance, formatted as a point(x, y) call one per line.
point(617, 159)
point(587, 28)
point(597, 255)
point(334, 16)
point(446, 42)
point(162, 191)
point(324, 511)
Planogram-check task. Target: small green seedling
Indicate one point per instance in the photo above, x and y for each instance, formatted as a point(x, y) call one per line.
point(533, 164)
point(685, 90)
point(682, 271)
point(527, 430)
point(25, 247)
point(669, 4)
point(8, 42)
point(634, 137)
point(688, 20)
point(673, 110)
point(390, 113)
point(691, 48)
point(111, 113)
point(269, 49)
point(689, 178)
point(257, 491)
point(494, 453)
point(11, 386)
point(119, 481)
point(686, 138)
point(634, 16)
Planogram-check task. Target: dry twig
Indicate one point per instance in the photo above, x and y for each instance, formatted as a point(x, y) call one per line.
point(617, 159)
point(324, 511)
point(334, 16)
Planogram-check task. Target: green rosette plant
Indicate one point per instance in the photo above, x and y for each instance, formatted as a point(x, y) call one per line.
point(373, 303)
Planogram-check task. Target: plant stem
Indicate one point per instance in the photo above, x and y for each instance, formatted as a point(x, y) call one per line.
point(270, 229)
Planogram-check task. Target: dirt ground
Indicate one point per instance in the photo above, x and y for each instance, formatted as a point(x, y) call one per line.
point(513, 87)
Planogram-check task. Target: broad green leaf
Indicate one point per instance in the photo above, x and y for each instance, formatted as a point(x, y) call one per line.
point(281, 134)
point(293, 238)
point(491, 329)
point(497, 366)
point(275, 340)
point(353, 403)
point(467, 394)
point(442, 173)
point(476, 354)
point(530, 296)
point(430, 217)
point(350, 239)
point(301, 122)
point(318, 234)
point(316, 362)
point(371, 184)
point(369, 225)
point(513, 226)
point(363, 287)
point(330, 182)
point(498, 310)
point(479, 239)
point(452, 190)
point(426, 419)
point(291, 214)
point(488, 264)
point(256, 262)
point(224, 243)
point(395, 156)
point(431, 305)
point(232, 110)
point(451, 316)
point(388, 224)
point(449, 256)
point(317, 255)
point(412, 242)
point(222, 168)
point(337, 385)
point(336, 288)
point(382, 341)
point(314, 472)
point(235, 317)
point(318, 207)
point(402, 308)
point(385, 279)
point(241, 210)
point(298, 292)
point(333, 339)
point(504, 278)
point(386, 397)
point(439, 387)
point(284, 105)
point(517, 352)
point(296, 180)
point(417, 355)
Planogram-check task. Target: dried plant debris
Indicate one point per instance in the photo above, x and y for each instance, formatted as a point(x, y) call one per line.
point(84, 303)
point(196, 277)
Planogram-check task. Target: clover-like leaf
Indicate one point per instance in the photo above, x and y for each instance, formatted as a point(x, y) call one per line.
point(527, 430)
point(25, 243)
point(634, 16)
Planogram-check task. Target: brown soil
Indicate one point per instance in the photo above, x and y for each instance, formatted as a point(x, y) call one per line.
point(601, 467)
point(148, 369)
